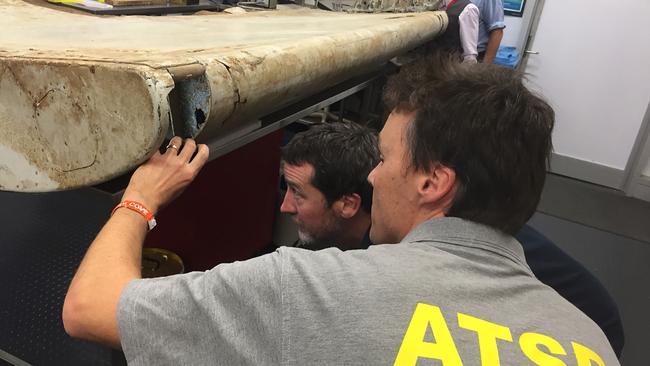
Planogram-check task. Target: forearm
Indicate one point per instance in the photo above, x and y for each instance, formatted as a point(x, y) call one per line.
point(494, 41)
point(114, 257)
point(112, 260)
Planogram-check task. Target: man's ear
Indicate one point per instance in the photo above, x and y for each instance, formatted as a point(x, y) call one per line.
point(437, 186)
point(348, 205)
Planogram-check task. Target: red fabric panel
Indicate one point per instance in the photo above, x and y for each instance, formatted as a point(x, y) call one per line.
point(227, 213)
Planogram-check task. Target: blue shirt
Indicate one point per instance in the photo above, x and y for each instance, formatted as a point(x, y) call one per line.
point(491, 18)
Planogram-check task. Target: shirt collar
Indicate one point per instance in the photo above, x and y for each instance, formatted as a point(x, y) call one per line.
point(467, 233)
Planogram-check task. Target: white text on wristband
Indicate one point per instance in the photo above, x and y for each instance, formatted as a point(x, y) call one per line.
point(139, 208)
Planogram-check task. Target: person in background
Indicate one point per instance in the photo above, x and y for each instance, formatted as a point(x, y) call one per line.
point(461, 35)
point(491, 25)
point(328, 195)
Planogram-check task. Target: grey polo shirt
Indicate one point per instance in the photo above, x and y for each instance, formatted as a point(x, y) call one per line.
point(453, 290)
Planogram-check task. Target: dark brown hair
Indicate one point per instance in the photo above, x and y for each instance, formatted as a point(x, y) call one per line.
point(481, 121)
point(342, 154)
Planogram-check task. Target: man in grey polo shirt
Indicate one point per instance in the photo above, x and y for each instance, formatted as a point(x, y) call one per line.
point(464, 153)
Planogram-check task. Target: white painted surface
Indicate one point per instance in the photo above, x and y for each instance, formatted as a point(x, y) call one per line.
point(593, 68)
point(516, 32)
point(512, 32)
point(17, 172)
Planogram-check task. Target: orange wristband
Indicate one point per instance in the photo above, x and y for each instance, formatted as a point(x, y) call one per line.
point(139, 208)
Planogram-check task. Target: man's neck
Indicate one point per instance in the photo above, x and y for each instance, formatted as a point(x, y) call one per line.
point(351, 234)
point(354, 233)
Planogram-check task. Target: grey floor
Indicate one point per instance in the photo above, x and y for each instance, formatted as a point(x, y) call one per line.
point(43, 237)
point(610, 234)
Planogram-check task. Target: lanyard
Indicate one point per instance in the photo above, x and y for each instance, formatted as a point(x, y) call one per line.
point(452, 2)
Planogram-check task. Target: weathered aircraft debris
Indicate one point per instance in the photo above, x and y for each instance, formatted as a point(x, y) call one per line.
point(85, 98)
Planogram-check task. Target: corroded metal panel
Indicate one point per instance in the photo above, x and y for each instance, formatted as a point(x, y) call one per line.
point(85, 98)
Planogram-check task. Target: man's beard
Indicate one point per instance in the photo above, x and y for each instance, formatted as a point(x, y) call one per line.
point(304, 239)
point(327, 237)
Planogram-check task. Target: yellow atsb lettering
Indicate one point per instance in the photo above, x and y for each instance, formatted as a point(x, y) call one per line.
point(488, 333)
point(414, 346)
point(528, 343)
point(584, 355)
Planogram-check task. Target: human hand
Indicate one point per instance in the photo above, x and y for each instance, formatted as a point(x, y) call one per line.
point(164, 176)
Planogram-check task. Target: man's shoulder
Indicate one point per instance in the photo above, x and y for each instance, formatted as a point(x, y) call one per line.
point(493, 8)
point(335, 257)
point(490, 3)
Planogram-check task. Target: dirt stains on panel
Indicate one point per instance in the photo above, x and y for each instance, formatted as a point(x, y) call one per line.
point(224, 96)
point(21, 175)
point(75, 125)
point(266, 78)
